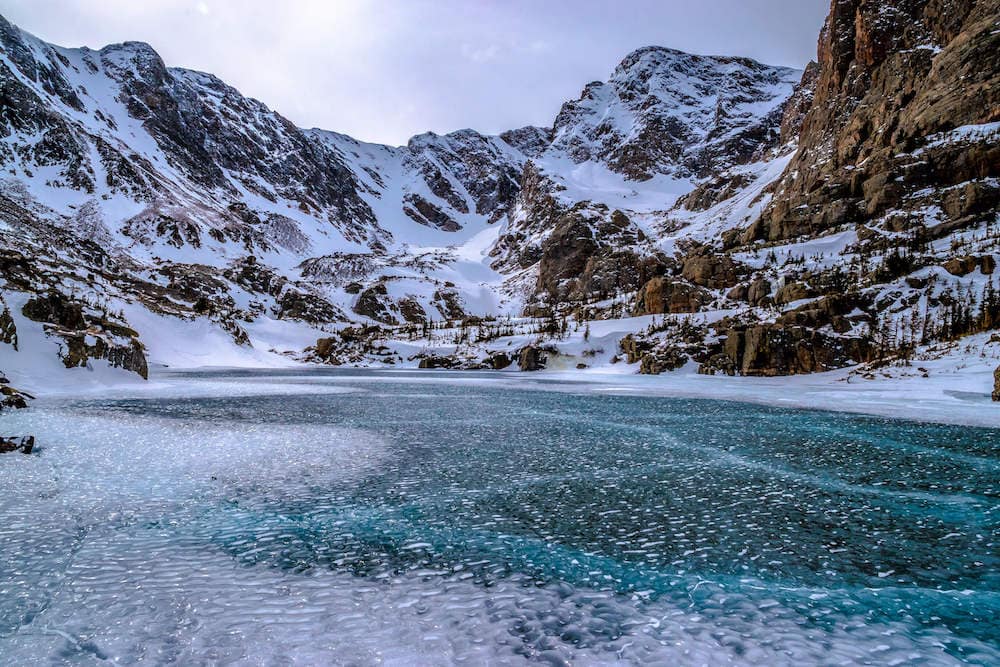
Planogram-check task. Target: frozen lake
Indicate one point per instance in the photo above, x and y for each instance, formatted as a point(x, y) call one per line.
point(339, 517)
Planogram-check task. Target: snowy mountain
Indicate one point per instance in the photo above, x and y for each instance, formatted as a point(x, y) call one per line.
point(712, 210)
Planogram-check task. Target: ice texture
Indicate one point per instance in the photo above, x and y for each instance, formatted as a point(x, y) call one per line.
point(372, 518)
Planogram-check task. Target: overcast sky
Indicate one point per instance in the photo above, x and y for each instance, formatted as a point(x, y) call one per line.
point(385, 70)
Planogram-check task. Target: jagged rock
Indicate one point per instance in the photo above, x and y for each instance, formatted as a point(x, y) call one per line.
point(708, 269)
point(829, 310)
point(372, 303)
point(449, 304)
point(253, 276)
point(12, 398)
point(996, 384)
point(8, 329)
point(23, 444)
point(664, 295)
point(308, 308)
point(79, 351)
point(412, 311)
point(424, 212)
point(87, 336)
point(759, 292)
point(894, 79)
point(531, 358)
point(324, 349)
point(798, 105)
point(613, 272)
point(756, 293)
point(647, 88)
point(710, 193)
point(634, 348)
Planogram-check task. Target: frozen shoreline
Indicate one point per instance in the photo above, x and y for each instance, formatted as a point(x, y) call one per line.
point(951, 393)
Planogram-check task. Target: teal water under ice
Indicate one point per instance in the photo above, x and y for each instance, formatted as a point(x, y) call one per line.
point(358, 518)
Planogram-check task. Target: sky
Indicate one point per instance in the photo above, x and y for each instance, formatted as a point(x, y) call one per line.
point(388, 69)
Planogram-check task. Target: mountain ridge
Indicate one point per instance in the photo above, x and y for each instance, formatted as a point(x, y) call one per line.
point(656, 193)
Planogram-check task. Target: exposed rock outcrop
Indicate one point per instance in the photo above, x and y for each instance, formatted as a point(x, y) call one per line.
point(776, 349)
point(374, 303)
point(531, 358)
point(666, 295)
point(709, 269)
point(894, 79)
point(87, 335)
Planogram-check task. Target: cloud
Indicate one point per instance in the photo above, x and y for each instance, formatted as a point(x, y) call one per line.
point(480, 54)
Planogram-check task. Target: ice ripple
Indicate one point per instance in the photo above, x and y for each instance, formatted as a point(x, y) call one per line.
point(495, 526)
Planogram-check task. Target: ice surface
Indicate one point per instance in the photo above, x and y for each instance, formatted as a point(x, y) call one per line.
point(291, 517)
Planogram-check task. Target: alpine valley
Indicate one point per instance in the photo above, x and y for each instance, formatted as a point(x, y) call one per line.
point(706, 213)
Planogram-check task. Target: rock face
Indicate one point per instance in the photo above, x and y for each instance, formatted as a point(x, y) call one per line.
point(87, 335)
point(996, 384)
point(771, 350)
point(663, 295)
point(895, 81)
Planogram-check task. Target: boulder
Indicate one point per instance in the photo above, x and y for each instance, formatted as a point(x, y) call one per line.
point(634, 348)
point(663, 295)
point(531, 358)
point(434, 361)
point(23, 444)
point(55, 308)
point(792, 292)
point(759, 292)
point(499, 361)
point(12, 398)
point(717, 363)
point(778, 349)
point(961, 266)
point(8, 330)
point(707, 269)
point(82, 347)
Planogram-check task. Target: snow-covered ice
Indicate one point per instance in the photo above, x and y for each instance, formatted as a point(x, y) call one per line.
point(309, 516)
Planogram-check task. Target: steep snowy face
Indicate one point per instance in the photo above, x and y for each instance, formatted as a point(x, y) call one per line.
point(185, 154)
point(668, 112)
point(468, 172)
